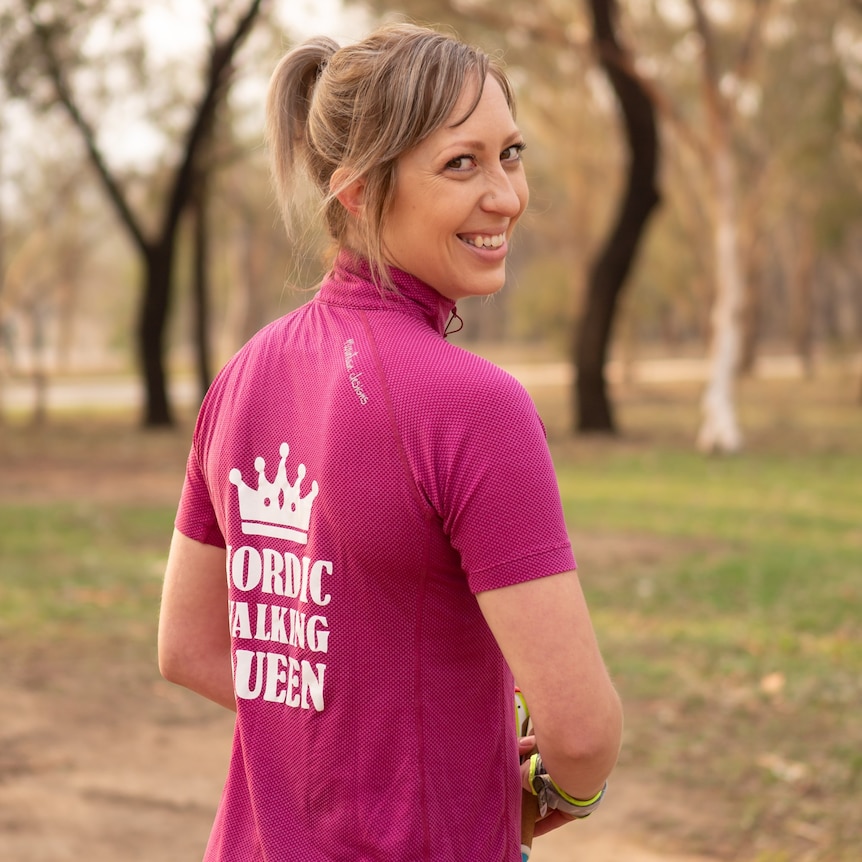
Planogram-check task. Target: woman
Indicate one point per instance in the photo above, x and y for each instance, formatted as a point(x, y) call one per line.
point(383, 503)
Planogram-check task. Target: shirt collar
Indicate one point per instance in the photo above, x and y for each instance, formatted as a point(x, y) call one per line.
point(349, 283)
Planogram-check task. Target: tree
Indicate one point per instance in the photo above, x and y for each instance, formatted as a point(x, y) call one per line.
point(546, 46)
point(611, 268)
point(42, 283)
point(49, 52)
point(719, 429)
point(788, 87)
point(715, 149)
point(198, 207)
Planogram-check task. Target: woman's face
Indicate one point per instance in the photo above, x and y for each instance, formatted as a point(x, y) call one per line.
point(458, 196)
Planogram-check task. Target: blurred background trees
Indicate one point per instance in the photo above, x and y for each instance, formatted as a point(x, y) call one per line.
point(92, 59)
point(144, 231)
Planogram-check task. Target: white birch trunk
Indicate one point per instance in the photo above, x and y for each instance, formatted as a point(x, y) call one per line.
point(719, 430)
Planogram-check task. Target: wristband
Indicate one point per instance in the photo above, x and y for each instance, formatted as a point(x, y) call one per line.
point(550, 796)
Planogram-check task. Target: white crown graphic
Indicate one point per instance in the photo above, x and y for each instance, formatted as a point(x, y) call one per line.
point(276, 508)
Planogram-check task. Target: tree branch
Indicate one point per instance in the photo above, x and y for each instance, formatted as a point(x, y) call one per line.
point(220, 68)
point(752, 41)
point(704, 29)
point(717, 110)
point(553, 32)
point(64, 94)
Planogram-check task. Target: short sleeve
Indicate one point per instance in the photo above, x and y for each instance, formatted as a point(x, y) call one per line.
point(196, 517)
point(496, 487)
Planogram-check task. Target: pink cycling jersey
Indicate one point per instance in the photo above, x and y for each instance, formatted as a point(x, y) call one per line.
point(367, 478)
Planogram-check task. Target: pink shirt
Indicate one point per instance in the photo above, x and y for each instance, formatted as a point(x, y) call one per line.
point(367, 479)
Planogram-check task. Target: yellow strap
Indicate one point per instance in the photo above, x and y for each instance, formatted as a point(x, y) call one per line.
point(581, 803)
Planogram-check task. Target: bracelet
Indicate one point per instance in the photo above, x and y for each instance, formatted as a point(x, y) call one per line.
point(551, 796)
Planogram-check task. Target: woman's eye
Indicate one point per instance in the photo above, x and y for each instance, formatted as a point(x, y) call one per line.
point(513, 153)
point(461, 163)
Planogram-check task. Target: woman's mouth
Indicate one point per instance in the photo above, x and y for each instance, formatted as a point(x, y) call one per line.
point(484, 240)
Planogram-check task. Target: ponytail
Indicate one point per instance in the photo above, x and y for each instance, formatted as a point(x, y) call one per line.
point(288, 104)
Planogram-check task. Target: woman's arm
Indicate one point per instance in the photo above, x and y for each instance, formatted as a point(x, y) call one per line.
point(544, 630)
point(194, 638)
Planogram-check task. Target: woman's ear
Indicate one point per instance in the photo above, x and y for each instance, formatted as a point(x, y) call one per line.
point(351, 196)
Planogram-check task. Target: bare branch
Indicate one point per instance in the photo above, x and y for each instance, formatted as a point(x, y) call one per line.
point(716, 105)
point(704, 29)
point(554, 33)
point(678, 124)
point(752, 41)
point(67, 99)
point(220, 69)
point(622, 59)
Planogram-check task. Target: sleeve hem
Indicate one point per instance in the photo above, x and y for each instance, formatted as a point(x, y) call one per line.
point(541, 564)
point(211, 536)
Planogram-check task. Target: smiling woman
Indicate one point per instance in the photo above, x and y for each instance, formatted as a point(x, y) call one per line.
point(421, 112)
point(458, 196)
point(384, 503)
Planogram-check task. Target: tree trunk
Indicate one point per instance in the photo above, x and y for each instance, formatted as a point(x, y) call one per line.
point(752, 312)
point(39, 374)
point(801, 266)
point(152, 319)
point(200, 284)
point(611, 267)
point(719, 431)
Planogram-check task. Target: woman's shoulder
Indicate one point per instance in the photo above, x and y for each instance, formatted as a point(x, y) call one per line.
point(477, 370)
point(453, 378)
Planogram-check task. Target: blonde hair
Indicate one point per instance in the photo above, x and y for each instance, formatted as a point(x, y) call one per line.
point(357, 109)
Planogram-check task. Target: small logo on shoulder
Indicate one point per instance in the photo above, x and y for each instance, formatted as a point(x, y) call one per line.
point(350, 354)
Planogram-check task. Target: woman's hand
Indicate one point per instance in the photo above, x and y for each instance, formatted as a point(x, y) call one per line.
point(553, 819)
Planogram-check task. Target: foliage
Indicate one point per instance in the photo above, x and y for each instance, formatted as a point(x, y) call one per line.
point(541, 309)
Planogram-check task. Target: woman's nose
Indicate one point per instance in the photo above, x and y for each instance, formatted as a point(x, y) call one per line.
point(502, 194)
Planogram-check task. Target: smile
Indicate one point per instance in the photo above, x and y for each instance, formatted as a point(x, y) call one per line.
point(485, 241)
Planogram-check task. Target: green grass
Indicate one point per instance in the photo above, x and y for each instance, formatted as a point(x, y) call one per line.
point(737, 640)
point(81, 569)
point(770, 537)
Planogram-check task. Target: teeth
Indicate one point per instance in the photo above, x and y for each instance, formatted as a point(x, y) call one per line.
point(488, 241)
